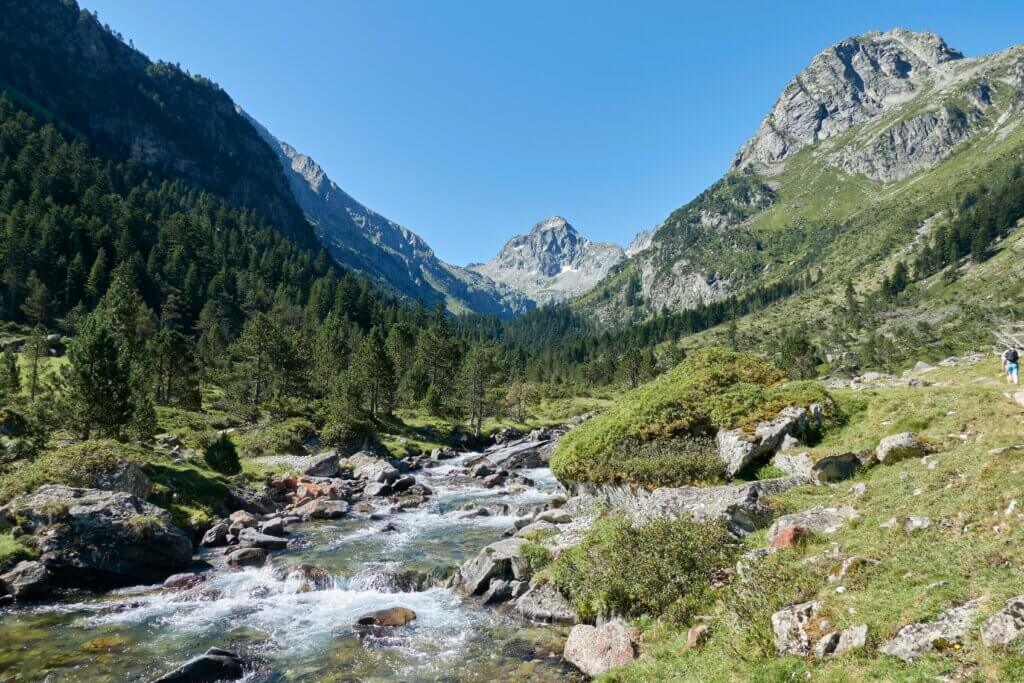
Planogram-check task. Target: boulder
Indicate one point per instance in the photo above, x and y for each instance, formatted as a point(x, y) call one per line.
point(841, 642)
point(250, 538)
point(216, 535)
point(394, 616)
point(789, 537)
point(94, 538)
point(367, 466)
point(215, 665)
point(824, 469)
point(1005, 626)
point(536, 527)
point(738, 450)
point(127, 477)
point(322, 465)
point(273, 527)
point(501, 560)
point(443, 453)
point(595, 650)
point(243, 519)
point(322, 508)
point(498, 591)
point(899, 447)
point(480, 471)
point(377, 489)
point(29, 580)
point(247, 557)
point(403, 484)
point(789, 625)
point(818, 520)
point(553, 517)
point(913, 640)
point(495, 480)
point(184, 580)
point(697, 635)
point(519, 455)
point(543, 602)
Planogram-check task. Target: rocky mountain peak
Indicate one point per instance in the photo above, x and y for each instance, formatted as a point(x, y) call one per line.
point(850, 82)
point(553, 261)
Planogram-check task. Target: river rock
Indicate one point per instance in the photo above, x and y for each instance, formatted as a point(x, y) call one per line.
point(215, 665)
point(519, 455)
point(480, 471)
point(243, 519)
point(367, 466)
point(273, 527)
point(543, 602)
point(93, 537)
point(403, 483)
point(377, 489)
point(322, 508)
point(216, 535)
point(913, 640)
point(322, 465)
point(184, 580)
point(498, 591)
point(394, 616)
point(501, 560)
point(899, 447)
point(595, 650)
point(29, 580)
point(127, 477)
point(1006, 625)
point(443, 453)
point(536, 527)
point(553, 517)
point(247, 557)
point(819, 520)
point(789, 625)
point(495, 480)
point(250, 538)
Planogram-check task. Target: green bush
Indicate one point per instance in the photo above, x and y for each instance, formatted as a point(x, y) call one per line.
point(536, 555)
point(286, 437)
point(222, 457)
point(76, 465)
point(712, 389)
point(663, 569)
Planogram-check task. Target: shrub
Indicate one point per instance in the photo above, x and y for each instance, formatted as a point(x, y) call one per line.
point(222, 457)
point(663, 569)
point(712, 389)
point(536, 555)
point(76, 465)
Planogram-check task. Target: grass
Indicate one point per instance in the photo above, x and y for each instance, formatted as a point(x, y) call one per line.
point(713, 389)
point(286, 437)
point(76, 465)
point(12, 552)
point(973, 548)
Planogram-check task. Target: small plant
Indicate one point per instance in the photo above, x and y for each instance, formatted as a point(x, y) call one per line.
point(143, 526)
point(537, 556)
point(222, 457)
point(54, 511)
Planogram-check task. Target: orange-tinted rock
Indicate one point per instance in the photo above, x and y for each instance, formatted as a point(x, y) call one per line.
point(789, 537)
point(394, 616)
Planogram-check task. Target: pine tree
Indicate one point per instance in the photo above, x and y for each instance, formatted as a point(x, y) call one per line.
point(96, 283)
point(36, 349)
point(99, 382)
point(36, 306)
point(632, 365)
point(478, 376)
point(374, 368)
point(10, 375)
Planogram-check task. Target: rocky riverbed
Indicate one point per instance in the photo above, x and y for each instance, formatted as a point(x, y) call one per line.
point(370, 590)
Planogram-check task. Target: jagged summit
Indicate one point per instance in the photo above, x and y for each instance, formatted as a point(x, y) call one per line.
point(553, 261)
point(848, 83)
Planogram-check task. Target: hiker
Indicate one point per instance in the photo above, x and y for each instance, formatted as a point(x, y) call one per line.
point(1011, 360)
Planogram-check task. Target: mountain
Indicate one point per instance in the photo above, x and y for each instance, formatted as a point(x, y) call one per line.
point(393, 256)
point(865, 151)
point(552, 262)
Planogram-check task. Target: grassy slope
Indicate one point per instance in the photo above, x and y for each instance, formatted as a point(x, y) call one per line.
point(972, 550)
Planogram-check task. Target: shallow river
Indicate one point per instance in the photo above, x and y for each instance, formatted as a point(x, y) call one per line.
point(271, 617)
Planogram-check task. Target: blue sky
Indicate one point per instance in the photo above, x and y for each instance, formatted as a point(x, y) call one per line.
point(470, 121)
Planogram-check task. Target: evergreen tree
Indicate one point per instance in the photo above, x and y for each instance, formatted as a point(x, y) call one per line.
point(478, 376)
point(631, 368)
point(175, 371)
point(36, 350)
point(36, 306)
point(99, 382)
point(374, 368)
point(10, 375)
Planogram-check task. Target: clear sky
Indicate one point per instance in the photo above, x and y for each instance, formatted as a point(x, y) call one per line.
point(468, 122)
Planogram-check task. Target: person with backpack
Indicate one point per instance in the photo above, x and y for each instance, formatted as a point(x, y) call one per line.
point(1011, 363)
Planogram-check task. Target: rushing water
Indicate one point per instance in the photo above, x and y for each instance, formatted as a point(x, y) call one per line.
point(297, 631)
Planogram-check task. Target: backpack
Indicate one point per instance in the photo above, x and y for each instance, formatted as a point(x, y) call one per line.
point(1012, 356)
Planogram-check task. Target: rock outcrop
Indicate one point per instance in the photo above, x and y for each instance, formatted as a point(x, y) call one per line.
point(543, 603)
point(950, 628)
point(1005, 626)
point(93, 538)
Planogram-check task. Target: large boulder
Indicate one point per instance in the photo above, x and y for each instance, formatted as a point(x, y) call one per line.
point(544, 603)
point(366, 465)
point(322, 465)
point(739, 450)
point(247, 557)
point(215, 665)
point(502, 560)
point(901, 446)
point(250, 538)
point(595, 650)
point(29, 580)
point(744, 507)
point(790, 628)
point(819, 520)
point(92, 537)
point(914, 640)
point(826, 468)
point(519, 454)
point(322, 508)
point(127, 477)
point(216, 535)
point(1006, 625)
